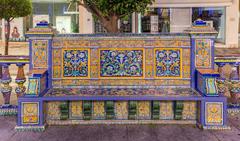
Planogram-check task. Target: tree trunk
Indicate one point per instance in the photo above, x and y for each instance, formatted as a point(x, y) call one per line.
point(7, 35)
point(111, 25)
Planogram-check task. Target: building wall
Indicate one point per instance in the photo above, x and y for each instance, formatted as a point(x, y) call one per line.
point(239, 18)
point(232, 21)
point(232, 14)
point(181, 19)
point(86, 23)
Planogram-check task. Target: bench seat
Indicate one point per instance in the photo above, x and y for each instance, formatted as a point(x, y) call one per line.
point(122, 94)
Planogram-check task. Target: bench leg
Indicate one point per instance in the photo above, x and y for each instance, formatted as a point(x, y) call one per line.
point(213, 113)
point(30, 115)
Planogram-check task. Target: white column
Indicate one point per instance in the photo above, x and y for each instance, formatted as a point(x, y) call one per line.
point(180, 19)
point(134, 22)
point(86, 23)
point(139, 23)
point(154, 23)
point(232, 21)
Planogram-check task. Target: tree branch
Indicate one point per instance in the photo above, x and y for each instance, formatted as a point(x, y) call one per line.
point(93, 9)
point(11, 19)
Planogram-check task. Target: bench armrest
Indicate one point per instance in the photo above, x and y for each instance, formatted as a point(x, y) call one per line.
point(38, 84)
point(206, 82)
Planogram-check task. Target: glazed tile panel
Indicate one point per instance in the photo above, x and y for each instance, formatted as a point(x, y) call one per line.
point(76, 110)
point(40, 53)
point(43, 83)
point(53, 110)
point(30, 112)
point(166, 110)
point(121, 110)
point(214, 113)
point(144, 110)
point(189, 110)
point(168, 63)
point(122, 92)
point(76, 63)
point(33, 86)
point(132, 58)
point(122, 63)
point(98, 110)
point(57, 63)
point(203, 53)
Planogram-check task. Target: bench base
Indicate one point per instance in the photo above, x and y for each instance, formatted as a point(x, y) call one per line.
point(122, 106)
point(10, 110)
point(30, 128)
point(214, 127)
point(94, 122)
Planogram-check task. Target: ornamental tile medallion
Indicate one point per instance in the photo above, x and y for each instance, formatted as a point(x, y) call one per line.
point(144, 110)
point(76, 63)
point(53, 110)
point(33, 86)
point(203, 53)
point(214, 113)
point(121, 63)
point(189, 110)
point(121, 110)
point(168, 63)
point(30, 112)
point(40, 53)
point(76, 110)
point(166, 110)
point(211, 86)
point(98, 110)
point(57, 63)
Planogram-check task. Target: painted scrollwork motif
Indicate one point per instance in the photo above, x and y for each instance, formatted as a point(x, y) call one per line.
point(75, 63)
point(121, 63)
point(168, 63)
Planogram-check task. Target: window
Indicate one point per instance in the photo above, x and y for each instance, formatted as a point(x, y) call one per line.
point(125, 25)
point(61, 14)
point(214, 17)
point(156, 20)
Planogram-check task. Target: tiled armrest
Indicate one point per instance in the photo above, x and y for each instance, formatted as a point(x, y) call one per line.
point(206, 82)
point(37, 85)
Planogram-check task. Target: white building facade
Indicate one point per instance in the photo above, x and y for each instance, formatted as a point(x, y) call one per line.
point(222, 14)
point(162, 16)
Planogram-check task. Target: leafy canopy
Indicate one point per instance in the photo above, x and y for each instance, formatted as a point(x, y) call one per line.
point(108, 12)
point(10, 9)
point(118, 8)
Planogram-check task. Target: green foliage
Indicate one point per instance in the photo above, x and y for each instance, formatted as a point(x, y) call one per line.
point(108, 12)
point(119, 7)
point(10, 9)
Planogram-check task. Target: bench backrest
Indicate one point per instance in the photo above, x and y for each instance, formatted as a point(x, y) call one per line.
point(125, 60)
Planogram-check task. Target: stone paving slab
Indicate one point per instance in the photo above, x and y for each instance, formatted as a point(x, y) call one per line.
point(120, 132)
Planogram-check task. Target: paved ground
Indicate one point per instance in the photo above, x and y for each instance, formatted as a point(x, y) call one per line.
point(120, 132)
